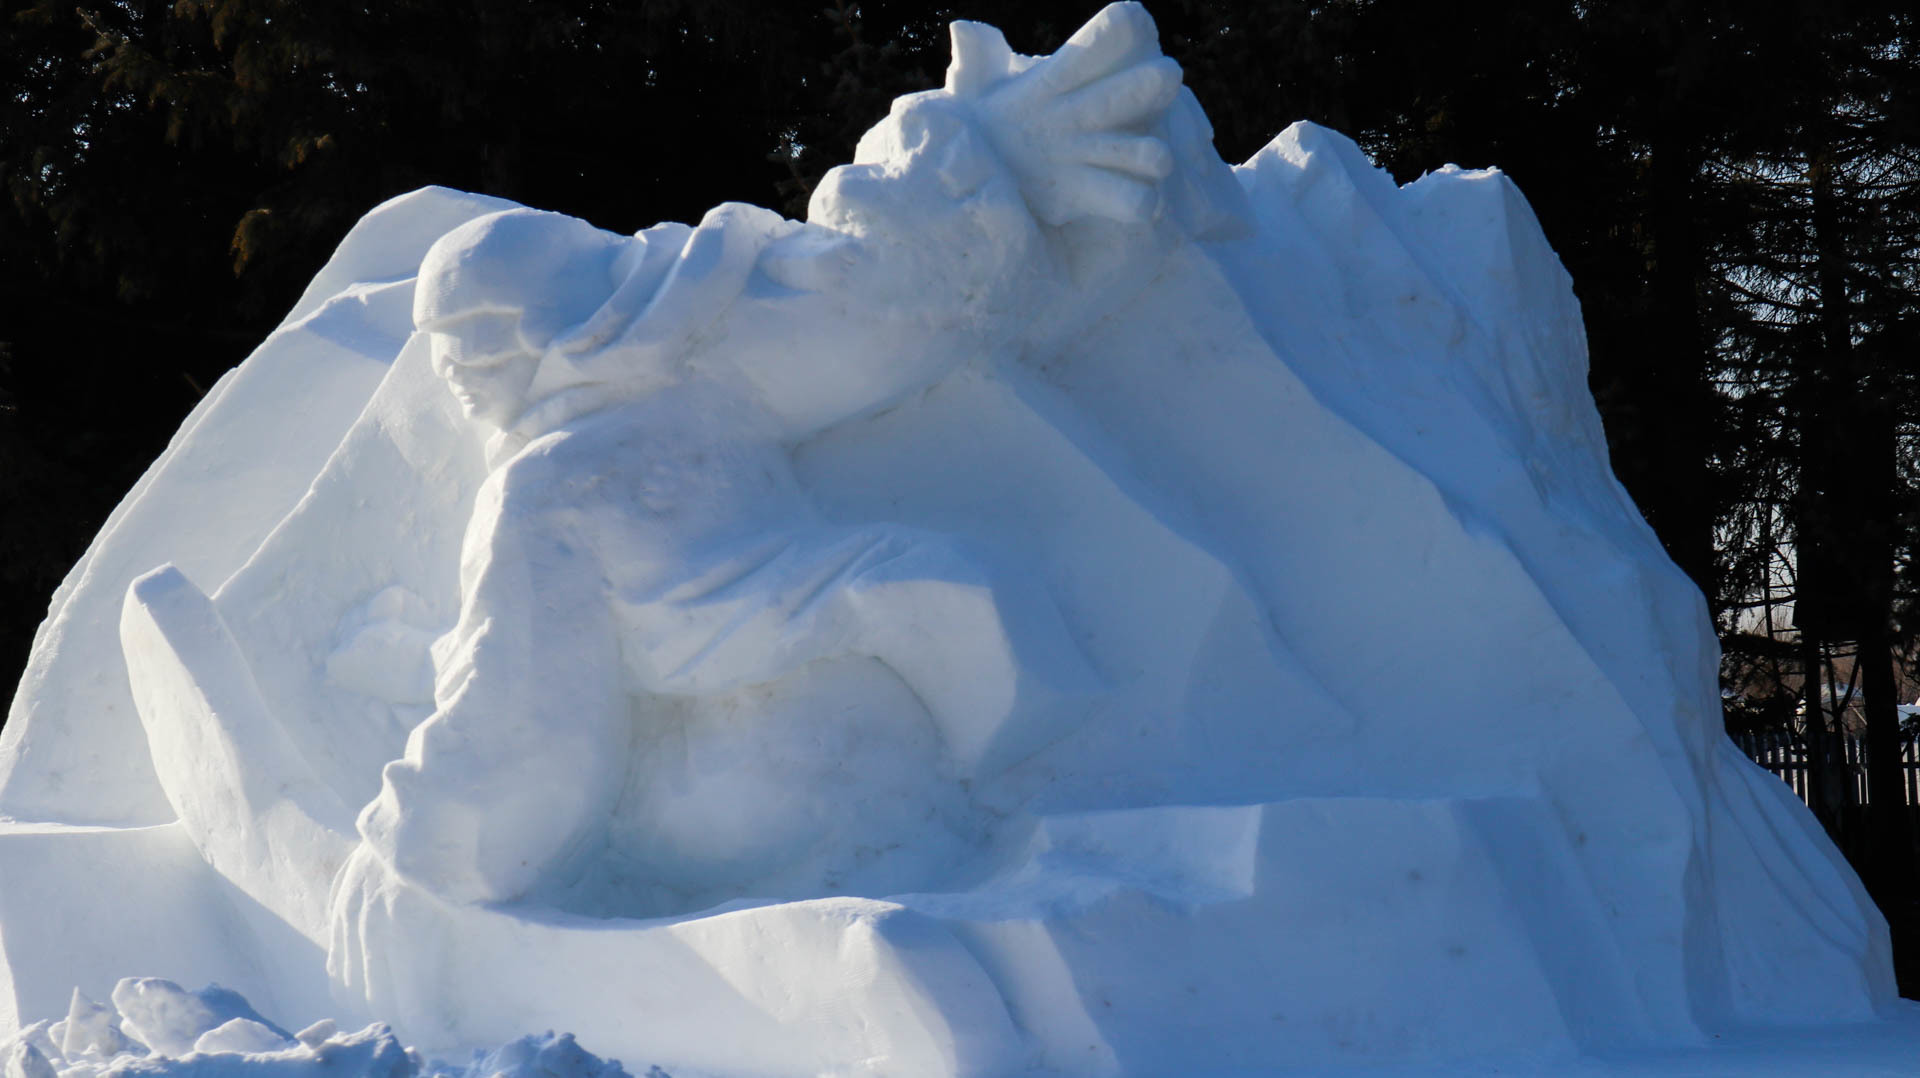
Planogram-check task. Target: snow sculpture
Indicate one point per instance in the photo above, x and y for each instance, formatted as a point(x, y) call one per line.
point(1068, 604)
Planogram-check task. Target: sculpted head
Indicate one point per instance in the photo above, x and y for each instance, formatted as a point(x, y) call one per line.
point(486, 364)
point(925, 168)
point(926, 222)
point(495, 292)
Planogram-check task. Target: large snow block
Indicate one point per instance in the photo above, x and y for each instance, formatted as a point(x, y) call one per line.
point(1842, 974)
point(1151, 941)
point(240, 788)
point(1068, 603)
point(237, 466)
point(829, 986)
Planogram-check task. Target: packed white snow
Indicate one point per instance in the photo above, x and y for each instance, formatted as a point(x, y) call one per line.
point(1068, 606)
point(156, 1029)
point(94, 1041)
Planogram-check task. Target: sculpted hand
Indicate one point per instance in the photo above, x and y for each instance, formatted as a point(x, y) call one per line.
point(1074, 126)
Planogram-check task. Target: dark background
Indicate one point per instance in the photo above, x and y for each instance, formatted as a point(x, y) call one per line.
point(1732, 185)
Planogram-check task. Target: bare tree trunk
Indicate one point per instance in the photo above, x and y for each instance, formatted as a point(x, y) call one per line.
point(1682, 498)
point(1859, 473)
point(1822, 769)
point(1892, 840)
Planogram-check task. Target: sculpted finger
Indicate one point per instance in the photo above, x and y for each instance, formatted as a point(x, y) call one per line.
point(981, 58)
point(1118, 35)
point(1140, 155)
point(1132, 98)
point(1077, 191)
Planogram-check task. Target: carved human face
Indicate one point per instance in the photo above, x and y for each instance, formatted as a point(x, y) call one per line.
point(924, 235)
point(924, 160)
point(484, 362)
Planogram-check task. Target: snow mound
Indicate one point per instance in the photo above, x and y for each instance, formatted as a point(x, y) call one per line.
point(156, 1029)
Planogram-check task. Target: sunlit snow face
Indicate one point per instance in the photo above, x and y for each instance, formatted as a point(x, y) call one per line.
point(484, 362)
point(918, 169)
point(925, 206)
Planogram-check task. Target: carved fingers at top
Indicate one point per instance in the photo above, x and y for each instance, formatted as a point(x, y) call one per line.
point(1077, 127)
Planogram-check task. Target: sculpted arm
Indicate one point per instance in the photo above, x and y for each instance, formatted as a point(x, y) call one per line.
point(527, 745)
point(956, 231)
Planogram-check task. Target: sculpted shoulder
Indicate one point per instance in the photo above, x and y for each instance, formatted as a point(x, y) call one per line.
point(561, 467)
point(688, 454)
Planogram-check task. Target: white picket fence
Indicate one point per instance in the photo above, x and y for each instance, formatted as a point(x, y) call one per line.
point(1785, 755)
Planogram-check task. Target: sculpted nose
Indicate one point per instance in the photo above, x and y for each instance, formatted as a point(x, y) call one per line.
point(445, 354)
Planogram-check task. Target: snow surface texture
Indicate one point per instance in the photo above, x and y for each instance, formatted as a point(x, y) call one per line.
point(156, 1029)
point(1069, 604)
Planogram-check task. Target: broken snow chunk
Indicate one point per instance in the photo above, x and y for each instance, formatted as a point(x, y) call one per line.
point(316, 1034)
point(171, 1020)
point(243, 1035)
point(544, 1056)
point(23, 1060)
point(90, 1029)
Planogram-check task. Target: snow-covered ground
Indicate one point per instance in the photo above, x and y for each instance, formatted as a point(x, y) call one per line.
point(216, 1034)
point(155, 1028)
point(968, 633)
